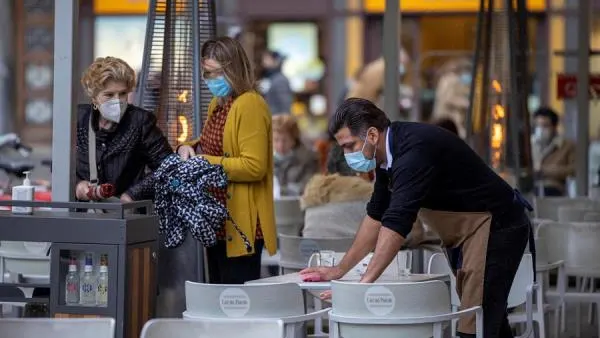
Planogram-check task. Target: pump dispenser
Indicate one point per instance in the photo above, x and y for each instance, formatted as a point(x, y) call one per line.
point(23, 192)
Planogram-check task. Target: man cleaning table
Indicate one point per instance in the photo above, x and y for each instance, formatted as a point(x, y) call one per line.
point(427, 172)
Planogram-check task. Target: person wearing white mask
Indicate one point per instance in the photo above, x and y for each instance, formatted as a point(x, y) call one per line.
point(553, 156)
point(116, 142)
point(294, 164)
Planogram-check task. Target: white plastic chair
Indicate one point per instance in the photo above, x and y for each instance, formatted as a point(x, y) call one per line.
point(57, 328)
point(289, 217)
point(296, 251)
point(582, 261)
point(415, 310)
point(283, 301)
point(438, 264)
point(27, 260)
point(210, 328)
point(547, 207)
point(521, 294)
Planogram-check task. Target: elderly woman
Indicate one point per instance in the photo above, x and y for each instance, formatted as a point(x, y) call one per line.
point(237, 135)
point(294, 163)
point(125, 140)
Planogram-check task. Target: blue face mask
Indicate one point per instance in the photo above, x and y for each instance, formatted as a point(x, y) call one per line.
point(466, 78)
point(219, 87)
point(357, 161)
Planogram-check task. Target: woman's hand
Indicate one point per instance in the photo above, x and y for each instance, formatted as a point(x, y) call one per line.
point(186, 152)
point(81, 190)
point(126, 198)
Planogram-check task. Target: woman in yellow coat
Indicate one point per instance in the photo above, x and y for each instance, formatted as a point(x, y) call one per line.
point(237, 135)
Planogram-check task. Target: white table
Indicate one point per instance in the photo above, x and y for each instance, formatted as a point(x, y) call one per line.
point(319, 286)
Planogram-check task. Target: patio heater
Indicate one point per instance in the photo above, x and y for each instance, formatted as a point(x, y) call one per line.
point(498, 118)
point(170, 85)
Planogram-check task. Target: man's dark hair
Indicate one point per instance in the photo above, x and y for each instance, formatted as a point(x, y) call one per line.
point(549, 113)
point(358, 115)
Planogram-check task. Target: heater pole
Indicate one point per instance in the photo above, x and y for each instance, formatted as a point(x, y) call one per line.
point(196, 65)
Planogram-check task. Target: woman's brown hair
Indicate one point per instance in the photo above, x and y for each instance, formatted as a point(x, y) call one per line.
point(286, 124)
point(236, 65)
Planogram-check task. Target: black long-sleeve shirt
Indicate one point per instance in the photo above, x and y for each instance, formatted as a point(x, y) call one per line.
point(123, 154)
point(433, 168)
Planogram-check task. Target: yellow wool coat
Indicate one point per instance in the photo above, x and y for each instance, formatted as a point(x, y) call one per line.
point(248, 162)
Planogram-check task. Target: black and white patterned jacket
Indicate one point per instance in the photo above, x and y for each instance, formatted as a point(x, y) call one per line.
point(183, 202)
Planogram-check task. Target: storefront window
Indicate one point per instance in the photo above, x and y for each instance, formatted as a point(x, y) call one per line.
point(122, 37)
point(299, 43)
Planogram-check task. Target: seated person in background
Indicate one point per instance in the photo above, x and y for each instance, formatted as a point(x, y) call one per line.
point(127, 139)
point(294, 163)
point(333, 204)
point(553, 156)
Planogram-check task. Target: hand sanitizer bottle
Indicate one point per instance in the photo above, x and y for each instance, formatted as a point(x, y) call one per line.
point(23, 192)
point(87, 295)
point(72, 284)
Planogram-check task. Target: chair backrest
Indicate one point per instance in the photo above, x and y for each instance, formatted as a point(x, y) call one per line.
point(547, 207)
point(295, 251)
point(554, 234)
point(243, 301)
point(523, 279)
point(58, 328)
point(438, 264)
point(242, 328)
point(27, 259)
point(289, 218)
point(582, 249)
point(389, 300)
point(578, 214)
point(340, 219)
point(33, 249)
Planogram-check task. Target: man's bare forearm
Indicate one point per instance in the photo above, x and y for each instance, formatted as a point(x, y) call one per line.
point(364, 242)
point(389, 243)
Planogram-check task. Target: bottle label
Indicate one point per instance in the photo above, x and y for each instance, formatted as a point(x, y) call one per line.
point(102, 290)
point(86, 288)
point(71, 287)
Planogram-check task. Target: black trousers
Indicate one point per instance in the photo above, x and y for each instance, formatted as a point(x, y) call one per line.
point(234, 270)
point(506, 245)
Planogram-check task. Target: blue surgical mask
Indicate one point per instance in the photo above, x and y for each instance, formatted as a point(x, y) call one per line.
point(466, 78)
point(281, 157)
point(357, 161)
point(218, 86)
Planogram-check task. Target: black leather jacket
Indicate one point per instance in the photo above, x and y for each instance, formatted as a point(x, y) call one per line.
point(123, 155)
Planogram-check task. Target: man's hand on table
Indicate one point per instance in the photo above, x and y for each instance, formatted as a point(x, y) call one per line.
point(321, 274)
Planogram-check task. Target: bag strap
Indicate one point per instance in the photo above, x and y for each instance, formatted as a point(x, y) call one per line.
point(92, 153)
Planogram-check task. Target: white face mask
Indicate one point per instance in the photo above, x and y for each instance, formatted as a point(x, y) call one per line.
point(113, 110)
point(543, 134)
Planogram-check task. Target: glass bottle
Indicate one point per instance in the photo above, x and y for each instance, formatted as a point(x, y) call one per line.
point(102, 289)
point(72, 284)
point(87, 295)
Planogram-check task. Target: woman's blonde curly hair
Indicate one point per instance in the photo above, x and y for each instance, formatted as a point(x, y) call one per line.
point(106, 69)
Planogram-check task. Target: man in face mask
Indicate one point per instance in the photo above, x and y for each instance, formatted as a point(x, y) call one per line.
point(553, 156)
point(425, 172)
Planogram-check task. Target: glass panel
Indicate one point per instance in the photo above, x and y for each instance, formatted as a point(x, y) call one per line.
point(84, 278)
